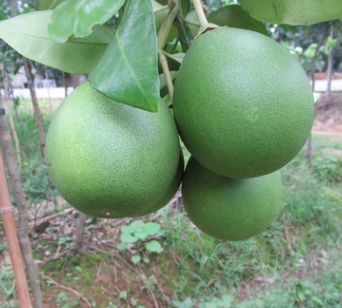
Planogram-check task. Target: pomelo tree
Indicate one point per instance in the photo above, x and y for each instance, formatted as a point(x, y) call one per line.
point(242, 104)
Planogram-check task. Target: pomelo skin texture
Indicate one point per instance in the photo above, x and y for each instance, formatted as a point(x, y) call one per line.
point(243, 105)
point(230, 209)
point(172, 189)
point(109, 159)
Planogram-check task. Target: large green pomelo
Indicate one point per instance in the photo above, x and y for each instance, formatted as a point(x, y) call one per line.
point(230, 209)
point(172, 189)
point(243, 105)
point(109, 159)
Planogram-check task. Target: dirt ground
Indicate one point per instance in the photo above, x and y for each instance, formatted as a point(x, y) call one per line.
point(328, 117)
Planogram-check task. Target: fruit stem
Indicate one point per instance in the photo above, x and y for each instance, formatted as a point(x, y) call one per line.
point(162, 40)
point(166, 27)
point(200, 13)
point(166, 71)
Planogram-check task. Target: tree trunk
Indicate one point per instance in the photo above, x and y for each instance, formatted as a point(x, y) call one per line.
point(14, 133)
point(313, 71)
point(80, 231)
point(29, 77)
point(330, 64)
point(65, 85)
point(19, 197)
point(48, 88)
point(313, 63)
point(6, 210)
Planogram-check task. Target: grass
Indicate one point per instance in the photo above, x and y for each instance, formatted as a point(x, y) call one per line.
point(295, 263)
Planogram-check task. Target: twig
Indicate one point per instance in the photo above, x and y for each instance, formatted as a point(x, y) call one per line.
point(47, 218)
point(107, 292)
point(154, 299)
point(98, 272)
point(67, 289)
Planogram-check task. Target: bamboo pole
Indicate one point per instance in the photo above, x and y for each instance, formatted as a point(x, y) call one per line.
point(6, 210)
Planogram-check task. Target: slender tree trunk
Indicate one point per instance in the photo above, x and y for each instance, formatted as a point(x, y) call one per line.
point(48, 89)
point(14, 102)
point(314, 59)
point(6, 210)
point(19, 197)
point(330, 64)
point(79, 236)
point(36, 110)
point(313, 71)
point(64, 82)
point(10, 117)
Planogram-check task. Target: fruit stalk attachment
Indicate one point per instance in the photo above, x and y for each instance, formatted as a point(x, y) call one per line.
point(200, 13)
point(162, 39)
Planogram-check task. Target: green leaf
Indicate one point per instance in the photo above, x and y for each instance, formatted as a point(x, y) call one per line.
point(28, 35)
point(163, 80)
point(128, 71)
point(153, 246)
point(3, 16)
point(179, 57)
point(160, 12)
point(317, 300)
point(141, 234)
point(128, 238)
point(293, 12)
point(136, 259)
point(122, 246)
point(137, 224)
point(236, 17)
point(76, 18)
point(127, 229)
point(48, 4)
point(152, 228)
point(192, 20)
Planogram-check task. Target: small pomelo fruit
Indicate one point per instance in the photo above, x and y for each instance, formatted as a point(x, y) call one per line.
point(109, 159)
point(230, 209)
point(242, 103)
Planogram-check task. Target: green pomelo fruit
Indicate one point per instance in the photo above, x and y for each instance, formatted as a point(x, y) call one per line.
point(243, 105)
point(236, 17)
point(230, 209)
point(172, 189)
point(109, 159)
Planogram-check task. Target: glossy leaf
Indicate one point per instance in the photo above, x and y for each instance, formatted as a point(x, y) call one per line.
point(192, 20)
point(76, 18)
point(293, 12)
point(178, 57)
point(128, 71)
point(236, 17)
point(160, 12)
point(28, 35)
